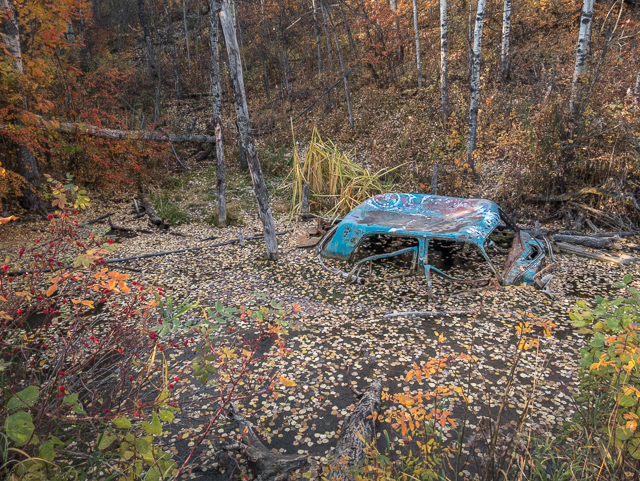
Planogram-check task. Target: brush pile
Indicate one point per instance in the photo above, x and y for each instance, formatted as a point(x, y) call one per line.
point(337, 184)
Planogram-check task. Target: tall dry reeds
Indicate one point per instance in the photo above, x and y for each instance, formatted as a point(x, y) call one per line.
point(336, 183)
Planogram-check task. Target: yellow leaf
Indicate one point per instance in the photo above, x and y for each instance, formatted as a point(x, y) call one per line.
point(87, 303)
point(4, 220)
point(52, 289)
point(409, 376)
point(246, 353)
point(76, 301)
point(123, 287)
point(418, 375)
point(3, 299)
point(287, 382)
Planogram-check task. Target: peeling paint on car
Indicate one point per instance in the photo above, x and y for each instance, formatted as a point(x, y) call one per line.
point(425, 218)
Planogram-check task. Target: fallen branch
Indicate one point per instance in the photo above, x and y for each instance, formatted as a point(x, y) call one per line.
point(623, 260)
point(424, 314)
point(265, 464)
point(153, 218)
point(190, 249)
point(96, 219)
point(68, 127)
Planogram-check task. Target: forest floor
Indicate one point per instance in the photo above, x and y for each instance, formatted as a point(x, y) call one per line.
point(340, 340)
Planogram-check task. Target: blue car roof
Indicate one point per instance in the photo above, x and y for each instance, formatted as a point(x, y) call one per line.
point(415, 215)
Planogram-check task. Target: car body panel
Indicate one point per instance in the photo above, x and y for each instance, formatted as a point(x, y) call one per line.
point(430, 217)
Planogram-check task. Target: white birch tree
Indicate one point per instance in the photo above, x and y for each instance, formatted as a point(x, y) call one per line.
point(444, 57)
point(584, 38)
point(415, 27)
point(475, 84)
point(506, 37)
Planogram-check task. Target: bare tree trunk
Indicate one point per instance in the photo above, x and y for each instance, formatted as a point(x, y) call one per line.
point(352, 44)
point(265, 27)
point(217, 114)
point(172, 50)
point(506, 34)
point(344, 71)
point(444, 57)
point(242, 112)
point(415, 27)
point(328, 40)
point(396, 26)
point(186, 32)
point(317, 34)
point(27, 164)
point(636, 89)
point(475, 85)
point(147, 37)
point(584, 38)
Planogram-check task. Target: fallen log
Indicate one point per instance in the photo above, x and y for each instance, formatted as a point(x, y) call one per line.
point(622, 260)
point(593, 242)
point(68, 127)
point(357, 430)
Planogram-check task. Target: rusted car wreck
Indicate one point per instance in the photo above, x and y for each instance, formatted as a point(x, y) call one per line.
point(433, 225)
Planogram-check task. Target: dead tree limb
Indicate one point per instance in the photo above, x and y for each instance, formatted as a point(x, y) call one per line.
point(593, 242)
point(81, 128)
point(265, 464)
point(96, 219)
point(357, 431)
point(153, 218)
point(190, 249)
point(425, 314)
point(623, 260)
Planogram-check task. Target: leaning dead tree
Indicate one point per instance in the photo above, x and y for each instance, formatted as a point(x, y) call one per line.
point(242, 113)
point(475, 84)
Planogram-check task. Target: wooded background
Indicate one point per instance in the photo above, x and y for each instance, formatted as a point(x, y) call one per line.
point(537, 98)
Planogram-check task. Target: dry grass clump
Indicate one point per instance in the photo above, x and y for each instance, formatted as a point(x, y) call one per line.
point(336, 183)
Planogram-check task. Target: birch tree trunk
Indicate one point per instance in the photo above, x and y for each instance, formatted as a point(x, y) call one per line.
point(475, 84)
point(27, 164)
point(506, 36)
point(344, 71)
point(415, 27)
point(444, 57)
point(242, 112)
point(470, 41)
point(636, 89)
point(584, 38)
point(172, 50)
point(217, 114)
point(147, 37)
